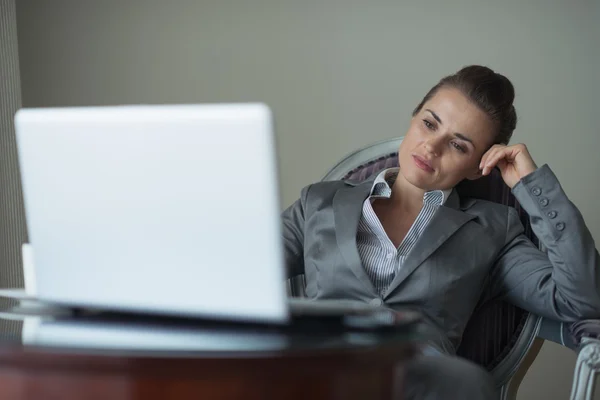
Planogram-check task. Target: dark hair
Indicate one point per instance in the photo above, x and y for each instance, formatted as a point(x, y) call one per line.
point(491, 92)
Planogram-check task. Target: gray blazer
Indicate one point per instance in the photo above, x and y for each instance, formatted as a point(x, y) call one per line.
point(471, 251)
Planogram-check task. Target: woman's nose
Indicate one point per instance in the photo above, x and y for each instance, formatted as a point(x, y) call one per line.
point(433, 146)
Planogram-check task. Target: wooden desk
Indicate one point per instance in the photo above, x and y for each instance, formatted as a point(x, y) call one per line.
point(298, 365)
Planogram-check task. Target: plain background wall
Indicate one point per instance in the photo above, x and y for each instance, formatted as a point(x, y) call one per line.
point(338, 75)
point(12, 218)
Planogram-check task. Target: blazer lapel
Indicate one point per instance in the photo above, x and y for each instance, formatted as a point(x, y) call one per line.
point(347, 209)
point(444, 223)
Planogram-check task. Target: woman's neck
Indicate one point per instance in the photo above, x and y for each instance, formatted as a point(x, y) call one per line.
point(405, 196)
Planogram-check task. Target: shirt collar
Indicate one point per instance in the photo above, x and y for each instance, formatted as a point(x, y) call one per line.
point(382, 188)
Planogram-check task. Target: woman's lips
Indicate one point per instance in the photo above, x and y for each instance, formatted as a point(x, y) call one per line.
point(423, 163)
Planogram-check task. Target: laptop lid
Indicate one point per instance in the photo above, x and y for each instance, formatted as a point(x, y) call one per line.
point(166, 209)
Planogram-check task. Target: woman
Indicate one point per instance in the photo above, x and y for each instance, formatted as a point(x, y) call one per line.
point(405, 239)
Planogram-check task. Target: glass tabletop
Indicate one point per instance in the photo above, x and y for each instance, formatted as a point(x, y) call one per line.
point(32, 325)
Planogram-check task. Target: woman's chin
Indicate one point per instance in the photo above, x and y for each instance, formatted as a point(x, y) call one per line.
point(417, 177)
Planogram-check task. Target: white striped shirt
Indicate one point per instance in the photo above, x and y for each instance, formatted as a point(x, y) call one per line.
point(380, 258)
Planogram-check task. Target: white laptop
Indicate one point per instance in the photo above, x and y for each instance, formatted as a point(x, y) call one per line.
point(167, 209)
point(159, 209)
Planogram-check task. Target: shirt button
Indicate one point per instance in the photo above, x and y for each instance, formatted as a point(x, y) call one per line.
point(544, 201)
point(376, 302)
point(560, 226)
point(536, 191)
point(552, 214)
point(390, 256)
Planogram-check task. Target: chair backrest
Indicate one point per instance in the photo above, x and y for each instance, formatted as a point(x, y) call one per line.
point(495, 326)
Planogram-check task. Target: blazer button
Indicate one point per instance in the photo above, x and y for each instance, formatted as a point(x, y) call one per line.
point(552, 214)
point(536, 191)
point(376, 302)
point(544, 201)
point(560, 226)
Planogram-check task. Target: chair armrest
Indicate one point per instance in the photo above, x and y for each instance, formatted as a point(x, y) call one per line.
point(588, 328)
point(584, 337)
point(586, 334)
point(557, 332)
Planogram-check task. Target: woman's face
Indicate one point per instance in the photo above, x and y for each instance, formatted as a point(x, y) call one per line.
point(445, 142)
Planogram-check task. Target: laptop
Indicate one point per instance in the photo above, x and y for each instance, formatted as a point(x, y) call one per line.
point(165, 209)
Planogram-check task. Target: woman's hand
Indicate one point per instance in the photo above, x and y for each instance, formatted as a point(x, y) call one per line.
point(514, 162)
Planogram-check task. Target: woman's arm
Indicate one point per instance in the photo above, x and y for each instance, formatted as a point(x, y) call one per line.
point(563, 283)
point(293, 235)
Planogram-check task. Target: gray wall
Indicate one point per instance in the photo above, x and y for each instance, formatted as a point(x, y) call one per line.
point(338, 75)
point(12, 220)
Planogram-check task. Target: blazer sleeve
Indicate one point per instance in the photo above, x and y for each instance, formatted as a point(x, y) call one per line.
point(293, 235)
point(563, 283)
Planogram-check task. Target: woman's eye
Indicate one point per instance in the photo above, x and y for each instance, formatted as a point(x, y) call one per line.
point(428, 124)
point(458, 147)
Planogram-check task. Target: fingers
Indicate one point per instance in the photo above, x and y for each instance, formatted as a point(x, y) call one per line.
point(493, 158)
point(502, 164)
point(489, 157)
point(514, 162)
point(487, 154)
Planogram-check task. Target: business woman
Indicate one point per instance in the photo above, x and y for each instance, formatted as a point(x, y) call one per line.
point(404, 238)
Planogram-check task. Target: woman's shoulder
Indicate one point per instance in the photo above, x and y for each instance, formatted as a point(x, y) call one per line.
point(328, 188)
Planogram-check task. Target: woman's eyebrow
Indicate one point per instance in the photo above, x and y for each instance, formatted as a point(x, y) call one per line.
point(434, 116)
